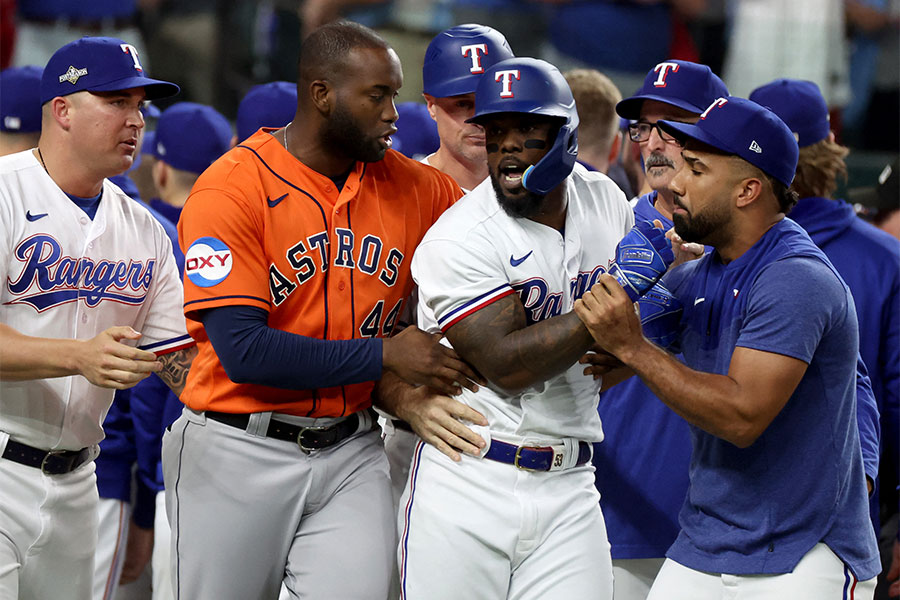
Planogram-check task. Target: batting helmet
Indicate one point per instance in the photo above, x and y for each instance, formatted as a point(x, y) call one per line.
point(530, 85)
point(456, 58)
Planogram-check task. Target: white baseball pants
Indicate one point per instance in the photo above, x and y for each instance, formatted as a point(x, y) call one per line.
point(485, 529)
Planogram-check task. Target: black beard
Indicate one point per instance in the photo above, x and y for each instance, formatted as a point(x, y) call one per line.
point(697, 228)
point(344, 135)
point(523, 206)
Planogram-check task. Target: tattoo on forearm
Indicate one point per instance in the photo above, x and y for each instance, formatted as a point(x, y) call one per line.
point(175, 368)
point(497, 339)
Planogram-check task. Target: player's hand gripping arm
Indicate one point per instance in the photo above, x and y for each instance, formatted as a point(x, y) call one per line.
point(736, 407)
point(419, 358)
point(103, 360)
point(435, 417)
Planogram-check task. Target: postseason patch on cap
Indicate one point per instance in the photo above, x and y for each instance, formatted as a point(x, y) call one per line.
point(207, 262)
point(72, 75)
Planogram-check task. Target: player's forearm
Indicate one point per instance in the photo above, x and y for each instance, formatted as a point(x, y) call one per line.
point(391, 393)
point(535, 353)
point(712, 402)
point(23, 357)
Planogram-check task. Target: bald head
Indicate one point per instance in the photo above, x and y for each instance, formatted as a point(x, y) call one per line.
point(324, 52)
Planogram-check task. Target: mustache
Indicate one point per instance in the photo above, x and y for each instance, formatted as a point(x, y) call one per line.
point(659, 160)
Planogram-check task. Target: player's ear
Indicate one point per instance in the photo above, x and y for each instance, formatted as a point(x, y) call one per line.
point(429, 104)
point(321, 93)
point(160, 174)
point(615, 148)
point(60, 110)
point(749, 190)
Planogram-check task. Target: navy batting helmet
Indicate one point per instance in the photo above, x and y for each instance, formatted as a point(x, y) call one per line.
point(456, 58)
point(530, 85)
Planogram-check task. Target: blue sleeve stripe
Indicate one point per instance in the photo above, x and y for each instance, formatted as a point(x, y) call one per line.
point(168, 342)
point(263, 300)
point(476, 300)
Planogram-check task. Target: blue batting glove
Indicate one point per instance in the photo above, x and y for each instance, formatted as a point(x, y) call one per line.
point(642, 257)
point(660, 316)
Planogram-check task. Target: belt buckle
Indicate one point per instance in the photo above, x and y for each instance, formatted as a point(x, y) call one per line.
point(47, 457)
point(303, 430)
point(518, 455)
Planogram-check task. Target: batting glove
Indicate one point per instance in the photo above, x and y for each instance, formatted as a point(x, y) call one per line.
point(660, 316)
point(642, 257)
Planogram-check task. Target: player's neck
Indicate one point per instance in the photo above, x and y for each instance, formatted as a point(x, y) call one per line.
point(743, 234)
point(306, 146)
point(175, 198)
point(467, 175)
point(67, 172)
point(553, 208)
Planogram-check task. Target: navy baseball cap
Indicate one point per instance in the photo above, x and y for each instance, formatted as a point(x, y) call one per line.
point(800, 105)
point(20, 100)
point(266, 105)
point(417, 134)
point(99, 64)
point(191, 136)
point(746, 129)
point(681, 83)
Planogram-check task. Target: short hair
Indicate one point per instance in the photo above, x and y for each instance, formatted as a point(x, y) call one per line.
point(596, 97)
point(324, 51)
point(818, 169)
point(786, 196)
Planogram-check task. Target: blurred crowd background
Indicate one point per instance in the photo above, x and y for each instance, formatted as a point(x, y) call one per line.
point(218, 49)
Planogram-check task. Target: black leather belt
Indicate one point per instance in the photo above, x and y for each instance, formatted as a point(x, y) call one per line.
point(50, 462)
point(534, 458)
point(308, 438)
point(402, 425)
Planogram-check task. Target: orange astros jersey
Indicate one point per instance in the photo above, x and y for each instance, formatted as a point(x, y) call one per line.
point(262, 229)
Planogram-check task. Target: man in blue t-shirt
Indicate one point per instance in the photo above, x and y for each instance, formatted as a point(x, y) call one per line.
point(777, 503)
point(642, 486)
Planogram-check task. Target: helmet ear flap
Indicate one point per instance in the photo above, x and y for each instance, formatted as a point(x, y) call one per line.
point(556, 165)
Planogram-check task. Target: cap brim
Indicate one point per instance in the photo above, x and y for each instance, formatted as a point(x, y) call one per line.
point(685, 131)
point(630, 108)
point(154, 88)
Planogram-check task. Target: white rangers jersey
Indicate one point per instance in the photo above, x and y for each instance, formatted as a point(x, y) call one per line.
point(67, 276)
point(476, 254)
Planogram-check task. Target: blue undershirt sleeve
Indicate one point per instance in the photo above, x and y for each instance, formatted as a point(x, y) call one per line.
point(252, 352)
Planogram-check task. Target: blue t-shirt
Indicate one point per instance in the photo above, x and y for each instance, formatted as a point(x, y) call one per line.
point(642, 463)
point(759, 510)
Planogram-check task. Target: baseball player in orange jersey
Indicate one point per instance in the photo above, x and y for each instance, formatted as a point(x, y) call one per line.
point(297, 249)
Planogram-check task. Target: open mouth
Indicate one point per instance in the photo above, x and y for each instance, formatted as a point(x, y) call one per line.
point(511, 174)
point(386, 140)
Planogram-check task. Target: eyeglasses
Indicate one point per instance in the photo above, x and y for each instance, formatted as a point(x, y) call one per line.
point(640, 132)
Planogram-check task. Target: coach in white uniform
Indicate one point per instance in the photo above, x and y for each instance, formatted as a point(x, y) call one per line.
point(498, 274)
point(87, 275)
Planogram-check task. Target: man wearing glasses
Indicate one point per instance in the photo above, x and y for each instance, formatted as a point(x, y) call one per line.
point(643, 485)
